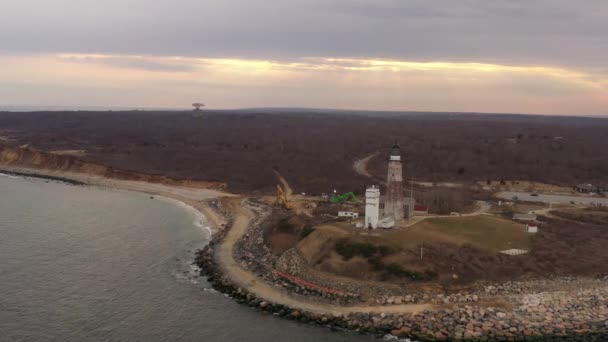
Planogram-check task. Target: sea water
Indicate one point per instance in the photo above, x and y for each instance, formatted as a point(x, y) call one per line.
point(82, 263)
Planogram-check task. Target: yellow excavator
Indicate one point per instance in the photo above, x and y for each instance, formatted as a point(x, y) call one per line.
point(282, 198)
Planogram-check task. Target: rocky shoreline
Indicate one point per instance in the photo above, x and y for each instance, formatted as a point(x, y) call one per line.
point(535, 316)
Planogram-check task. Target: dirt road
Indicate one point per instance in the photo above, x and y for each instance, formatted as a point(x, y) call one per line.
point(360, 166)
point(483, 207)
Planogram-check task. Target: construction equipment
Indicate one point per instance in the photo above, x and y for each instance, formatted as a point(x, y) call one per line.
point(344, 197)
point(282, 198)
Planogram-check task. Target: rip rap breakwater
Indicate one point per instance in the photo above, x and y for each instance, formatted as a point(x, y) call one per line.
point(255, 256)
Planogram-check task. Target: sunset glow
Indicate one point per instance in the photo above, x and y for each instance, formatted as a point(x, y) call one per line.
point(477, 55)
point(313, 82)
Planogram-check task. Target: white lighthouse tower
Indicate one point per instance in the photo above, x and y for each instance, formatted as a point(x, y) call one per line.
point(372, 206)
point(393, 206)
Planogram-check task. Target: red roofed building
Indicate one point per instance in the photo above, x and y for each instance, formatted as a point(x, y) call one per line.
point(421, 208)
point(532, 228)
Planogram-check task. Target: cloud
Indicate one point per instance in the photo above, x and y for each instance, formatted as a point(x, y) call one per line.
point(468, 55)
point(347, 83)
point(547, 32)
point(133, 62)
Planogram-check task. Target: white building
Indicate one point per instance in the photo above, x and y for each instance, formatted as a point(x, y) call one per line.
point(350, 214)
point(532, 228)
point(372, 206)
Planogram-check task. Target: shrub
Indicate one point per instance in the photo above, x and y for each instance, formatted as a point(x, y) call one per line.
point(308, 229)
point(430, 275)
point(366, 250)
point(285, 226)
point(374, 255)
point(385, 250)
point(376, 263)
point(348, 250)
point(397, 270)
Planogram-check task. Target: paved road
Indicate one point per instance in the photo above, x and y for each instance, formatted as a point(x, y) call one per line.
point(558, 199)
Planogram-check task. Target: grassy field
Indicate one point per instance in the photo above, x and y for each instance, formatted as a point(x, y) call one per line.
point(486, 232)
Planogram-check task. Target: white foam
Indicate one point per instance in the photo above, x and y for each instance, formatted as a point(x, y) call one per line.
point(390, 337)
point(200, 220)
point(9, 176)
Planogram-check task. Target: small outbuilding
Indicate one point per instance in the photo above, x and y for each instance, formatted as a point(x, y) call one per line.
point(524, 217)
point(590, 188)
point(532, 228)
point(586, 188)
point(350, 214)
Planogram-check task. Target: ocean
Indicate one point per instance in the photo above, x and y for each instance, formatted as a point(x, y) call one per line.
point(82, 263)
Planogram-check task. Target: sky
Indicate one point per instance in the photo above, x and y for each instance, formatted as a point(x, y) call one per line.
point(516, 56)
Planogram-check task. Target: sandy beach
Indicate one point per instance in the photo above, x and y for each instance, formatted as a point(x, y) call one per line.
point(192, 197)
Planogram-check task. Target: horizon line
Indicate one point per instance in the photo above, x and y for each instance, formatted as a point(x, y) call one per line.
point(86, 108)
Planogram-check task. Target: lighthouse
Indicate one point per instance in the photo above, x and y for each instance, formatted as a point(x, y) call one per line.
point(394, 204)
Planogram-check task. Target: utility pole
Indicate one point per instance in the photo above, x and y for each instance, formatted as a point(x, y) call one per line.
point(421, 250)
point(412, 188)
